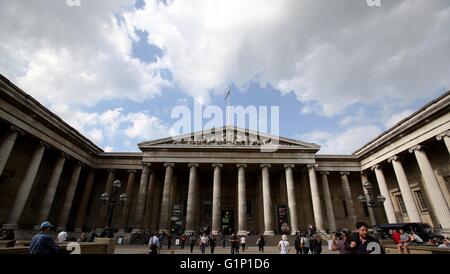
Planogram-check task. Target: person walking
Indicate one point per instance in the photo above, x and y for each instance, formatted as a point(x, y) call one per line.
point(224, 242)
point(234, 244)
point(317, 247)
point(42, 243)
point(192, 241)
point(298, 244)
point(261, 242)
point(283, 245)
point(305, 243)
point(203, 243)
point(153, 244)
point(212, 243)
point(243, 243)
point(169, 241)
point(182, 241)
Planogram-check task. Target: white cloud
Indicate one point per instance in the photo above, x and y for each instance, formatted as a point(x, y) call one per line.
point(73, 55)
point(108, 149)
point(345, 142)
point(113, 128)
point(397, 117)
point(334, 53)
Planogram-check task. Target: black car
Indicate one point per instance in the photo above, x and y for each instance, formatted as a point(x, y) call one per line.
point(423, 230)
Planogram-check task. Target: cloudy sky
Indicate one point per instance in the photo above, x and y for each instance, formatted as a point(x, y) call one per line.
point(341, 71)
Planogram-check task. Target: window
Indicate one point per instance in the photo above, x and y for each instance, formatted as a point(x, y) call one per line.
point(420, 200)
point(249, 208)
point(401, 203)
point(345, 208)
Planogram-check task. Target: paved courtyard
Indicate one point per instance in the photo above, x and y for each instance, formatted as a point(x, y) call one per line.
point(143, 249)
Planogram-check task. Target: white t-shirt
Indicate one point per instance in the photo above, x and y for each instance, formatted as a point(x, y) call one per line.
point(62, 237)
point(284, 247)
point(243, 240)
point(204, 240)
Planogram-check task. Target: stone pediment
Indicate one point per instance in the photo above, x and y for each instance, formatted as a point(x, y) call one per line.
point(228, 137)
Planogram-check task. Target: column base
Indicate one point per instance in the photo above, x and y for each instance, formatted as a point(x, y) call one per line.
point(10, 226)
point(242, 232)
point(61, 228)
point(188, 231)
point(164, 230)
point(135, 230)
point(270, 232)
point(215, 232)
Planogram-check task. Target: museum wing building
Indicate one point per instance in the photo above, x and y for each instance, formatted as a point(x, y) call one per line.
point(221, 180)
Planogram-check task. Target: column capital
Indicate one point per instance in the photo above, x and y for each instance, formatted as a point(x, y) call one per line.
point(441, 136)
point(80, 163)
point(326, 173)
point(131, 171)
point(346, 173)
point(145, 164)
point(416, 147)
point(241, 165)
point(315, 165)
point(109, 170)
point(169, 164)
point(44, 144)
point(288, 165)
point(16, 129)
point(217, 165)
point(377, 166)
point(65, 155)
point(192, 165)
point(265, 165)
point(394, 158)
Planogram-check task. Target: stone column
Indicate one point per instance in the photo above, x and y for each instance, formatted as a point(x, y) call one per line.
point(164, 215)
point(408, 198)
point(267, 201)
point(388, 206)
point(25, 187)
point(108, 189)
point(370, 209)
point(216, 206)
point(84, 201)
point(292, 203)
point(148, 204)
point(348, 197)
point(127, 206)
point(443, 136)
point(328, 202)
point(192, 199)
point(242, 200)
point(65, 211)
point(317, 207)
point(6, 146)
point(142, 194)
point(437, 198)
point(47, 202)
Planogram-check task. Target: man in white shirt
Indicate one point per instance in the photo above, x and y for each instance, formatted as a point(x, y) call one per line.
point(153, 244)
point(62, 237)
point(243, 242)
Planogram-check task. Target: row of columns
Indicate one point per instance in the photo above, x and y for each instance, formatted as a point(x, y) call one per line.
point(242, 207)
point(436, 196)
point(31, 172)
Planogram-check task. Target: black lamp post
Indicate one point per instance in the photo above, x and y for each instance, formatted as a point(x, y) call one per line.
point(372, 201)
point(111, 200)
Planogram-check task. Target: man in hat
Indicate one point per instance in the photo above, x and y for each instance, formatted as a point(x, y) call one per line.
point(43, 243)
